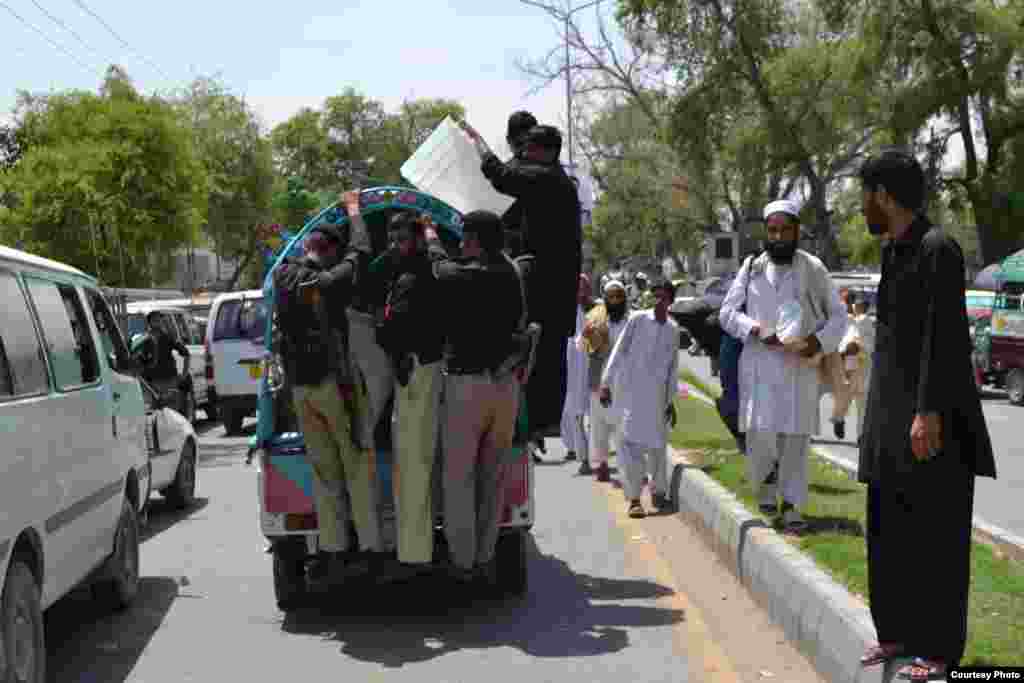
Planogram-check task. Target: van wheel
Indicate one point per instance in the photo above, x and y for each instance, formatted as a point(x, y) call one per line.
point(290, 572)
point(233, 419)
point(189, 407)
point(1015, 386)
point(182, 491)
point(510, 563)
point(22, 640)
point(122, 586)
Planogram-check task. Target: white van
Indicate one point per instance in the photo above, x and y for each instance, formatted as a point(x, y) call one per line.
point(73, 465)
point(234, 348)
point(184, 329)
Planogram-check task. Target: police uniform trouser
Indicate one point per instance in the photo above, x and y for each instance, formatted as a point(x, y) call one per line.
point(415, 436)
point(337, 463)
point(373, 370)
point(479, 424)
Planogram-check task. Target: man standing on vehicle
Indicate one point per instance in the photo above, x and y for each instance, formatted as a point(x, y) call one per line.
point(414, 340)
point(312, 294)
point(162, 371)
point(551, 261)
point(645, 361)
point(481, 397)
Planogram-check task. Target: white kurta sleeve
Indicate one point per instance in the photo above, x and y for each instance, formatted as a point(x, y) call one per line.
point(736, 323)
point(620, 351)
point(838, 318)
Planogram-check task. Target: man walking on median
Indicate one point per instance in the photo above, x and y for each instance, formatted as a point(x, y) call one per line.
point(645, 363)
point(925, 437)
point(785, 308)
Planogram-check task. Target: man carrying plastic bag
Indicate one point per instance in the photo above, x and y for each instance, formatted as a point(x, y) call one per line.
point(792, 313)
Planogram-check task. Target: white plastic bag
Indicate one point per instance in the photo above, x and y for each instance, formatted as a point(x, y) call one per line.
point(790, 322)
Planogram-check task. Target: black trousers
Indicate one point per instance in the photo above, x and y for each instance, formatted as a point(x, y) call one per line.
point(545, 391)
point(919, 559)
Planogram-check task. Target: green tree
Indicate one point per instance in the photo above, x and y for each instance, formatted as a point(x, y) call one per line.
point(239, 165)
point(960, 63)
point(106, 180)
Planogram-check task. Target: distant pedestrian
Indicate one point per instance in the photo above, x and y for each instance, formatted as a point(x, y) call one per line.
point(645, 361)
point(925, 438)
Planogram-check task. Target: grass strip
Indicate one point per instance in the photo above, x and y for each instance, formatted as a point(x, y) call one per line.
point(835, 514)
point(688, 376)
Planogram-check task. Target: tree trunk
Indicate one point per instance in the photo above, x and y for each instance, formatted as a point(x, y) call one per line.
point(242, 265)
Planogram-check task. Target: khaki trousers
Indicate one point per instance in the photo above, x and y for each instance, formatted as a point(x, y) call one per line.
point(480, 416)
point(373, 372)
point(415, 435)
point(337, 464)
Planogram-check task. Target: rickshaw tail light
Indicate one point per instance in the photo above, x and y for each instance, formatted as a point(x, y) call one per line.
point(300, 521)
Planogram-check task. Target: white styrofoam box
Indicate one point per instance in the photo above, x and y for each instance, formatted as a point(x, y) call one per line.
point(447, 166)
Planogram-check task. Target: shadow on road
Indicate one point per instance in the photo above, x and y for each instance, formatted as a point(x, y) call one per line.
point(162, 516)
point(86, 643)
point(401, 624)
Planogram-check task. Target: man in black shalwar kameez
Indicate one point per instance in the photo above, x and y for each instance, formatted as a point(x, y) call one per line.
point(925, 437)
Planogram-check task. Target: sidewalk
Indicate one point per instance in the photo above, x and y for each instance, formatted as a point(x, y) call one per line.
point(826, 622)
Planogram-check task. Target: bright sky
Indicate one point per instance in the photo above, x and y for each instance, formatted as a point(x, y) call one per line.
point(283, 56)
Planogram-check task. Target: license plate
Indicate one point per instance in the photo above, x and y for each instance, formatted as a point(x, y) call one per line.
point(256, 370)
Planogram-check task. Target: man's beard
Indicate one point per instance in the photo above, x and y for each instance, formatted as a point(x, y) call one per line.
point(781, 252)
point(616, 311)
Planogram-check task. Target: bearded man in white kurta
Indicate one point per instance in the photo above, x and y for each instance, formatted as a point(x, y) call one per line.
point(779, 386)
point(577, 393)
point(643, 368)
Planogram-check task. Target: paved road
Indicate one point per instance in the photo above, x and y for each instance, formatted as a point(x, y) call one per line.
point(996, 501)
point(611, 599)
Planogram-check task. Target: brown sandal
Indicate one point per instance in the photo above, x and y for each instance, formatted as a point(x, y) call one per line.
point(923, 670)
point(879, 654)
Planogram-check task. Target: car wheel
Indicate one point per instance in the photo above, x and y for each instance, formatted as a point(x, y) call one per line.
point(122, 586)
point(1015, 386)
point(182, 491)
point(511, 563)
point(189, 407)
point(233, 418)
point(289, 572)
point(22, 639)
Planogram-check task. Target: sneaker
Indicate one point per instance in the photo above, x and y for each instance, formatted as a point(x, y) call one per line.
point(636, 510)
point(839, 427)
point(604, 474)
point(584, 468)
point(661, 502)
point(570, 456)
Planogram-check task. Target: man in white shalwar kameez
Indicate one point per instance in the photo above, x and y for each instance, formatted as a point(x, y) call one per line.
point(577, 394)
point(643, 368)
point(779, 386)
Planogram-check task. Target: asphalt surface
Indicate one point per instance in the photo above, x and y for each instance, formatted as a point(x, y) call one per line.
point(610, 599)
point(996, 501)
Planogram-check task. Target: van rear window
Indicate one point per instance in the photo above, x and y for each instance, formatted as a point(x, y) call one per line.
point(240, 319)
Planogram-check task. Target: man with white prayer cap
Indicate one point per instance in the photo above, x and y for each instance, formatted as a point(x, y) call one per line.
point(785, 308)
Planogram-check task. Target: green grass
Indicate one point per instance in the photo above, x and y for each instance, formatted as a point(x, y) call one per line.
point(836, 517)
point(688, 376)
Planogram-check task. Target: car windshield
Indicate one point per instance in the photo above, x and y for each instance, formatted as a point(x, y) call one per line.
point(241, 319)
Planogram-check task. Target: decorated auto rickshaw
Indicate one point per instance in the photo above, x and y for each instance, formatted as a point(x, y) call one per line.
point(285, 481)
point(999, 346)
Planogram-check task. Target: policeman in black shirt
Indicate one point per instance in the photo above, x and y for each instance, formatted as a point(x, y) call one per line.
point(483, 309)
point(162, 371)
point(414, 340)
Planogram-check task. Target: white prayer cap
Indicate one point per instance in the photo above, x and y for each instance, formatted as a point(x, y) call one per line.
point(614, 284)
point(787, 206)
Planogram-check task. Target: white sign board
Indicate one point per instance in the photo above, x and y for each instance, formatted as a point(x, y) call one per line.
point(447, 166)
